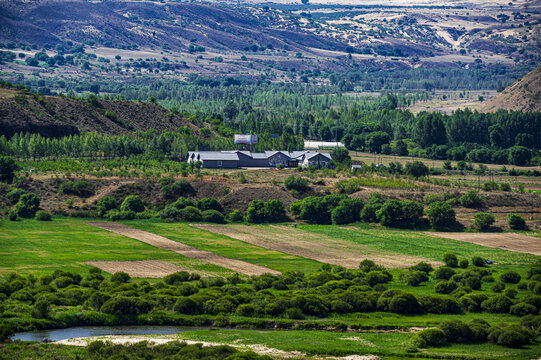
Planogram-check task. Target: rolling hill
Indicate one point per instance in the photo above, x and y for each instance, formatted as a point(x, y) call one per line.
point(523, 95)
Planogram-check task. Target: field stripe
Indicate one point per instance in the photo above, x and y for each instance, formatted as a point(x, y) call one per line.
point(140, 268)
point(185, 250)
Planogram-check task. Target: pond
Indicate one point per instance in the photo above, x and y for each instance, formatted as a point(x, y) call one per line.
point(87, 331)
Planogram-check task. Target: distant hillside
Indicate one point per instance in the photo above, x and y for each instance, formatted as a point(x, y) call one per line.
point(55, 116)
point(523, 95)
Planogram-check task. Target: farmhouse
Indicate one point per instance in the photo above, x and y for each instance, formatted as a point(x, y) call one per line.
point(243, 158)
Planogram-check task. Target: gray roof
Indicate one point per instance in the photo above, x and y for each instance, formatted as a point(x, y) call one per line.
point(297, 154)
point(274, 152)
point(259, 156)
point(310, 155)
point(217, 155)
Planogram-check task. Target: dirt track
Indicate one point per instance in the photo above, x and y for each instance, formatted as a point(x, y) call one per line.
point(185, 250)
point(506, 241)
point(140, 269)
point(311, 246)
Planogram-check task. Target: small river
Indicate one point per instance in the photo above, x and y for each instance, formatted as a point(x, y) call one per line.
point(87, 331)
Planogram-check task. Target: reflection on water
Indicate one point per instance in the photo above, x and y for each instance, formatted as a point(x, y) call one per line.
point(86, 331)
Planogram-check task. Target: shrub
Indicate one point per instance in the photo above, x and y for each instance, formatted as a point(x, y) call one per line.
point(120, 277)
point(182, 202)
point(483, 220)
point(191, 213)
point(436, 304)
point(378, 277)
point(12, 215)
point(347, 211)
point(423, 266)
point(235, 216)
point(247, 310)
point(186, 305)
point(176, 278)
point(440, 215)
point(405, 303)
point(14, 195)
point(296, 183)
point(133, 203)
point(414, 278)
point(27, 206)
point(497, 304)
point(510, 277)
point(450, 260)
point(81, 188)
point(105, 204)
point(443, 273)
point(213, 216)
point(171, 213)
point(478, 261)
point(390, 213)
point(457, 331)
point(43, 215)
point(273, 210)
point(471, 200)
point(255, 212)
point(516, 222)
point(463, 263)
point(445, 286)
point(368, 213)
point(498, 287)
point(416, 169)
point(511, 336)
point(522, 309)
point(429, 337)
point(209, 204)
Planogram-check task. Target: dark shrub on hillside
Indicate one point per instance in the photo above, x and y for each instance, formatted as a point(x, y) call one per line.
point(14, 195)
point(213, 216)
point(105, 204)
point(450, 260)
point(81, 188)
point(498, 287)
point(413, 211)
point(443, 273)
point(463, 263)
point(436, 304)
point(120, 277)
point(471, 200)
point(132, 203)
point(176, 189)
point(429, 337)
point(483, 220)
point(378, 277)
point(510, 277)
point(369, 265)
point(347, 211)
point(63, 281)
point(497, 304)
point(511, 336)
point(532, 300)
point(183, 202)
point(374, 203)
point(190, 213)
point(274, 210)
point(43, 215)
point(235, 216)
point(209, 204)
point(414, 278)
point(445, 286)
point(510, 293)
point(480, 329)
point(441, 215)
point(390, 213)
point(296, 183)
point(170, 213)
point(423, 266)
point(531, 322)
point(27, 206)
point(246, 310)
point(516, 222)
point(12, 215)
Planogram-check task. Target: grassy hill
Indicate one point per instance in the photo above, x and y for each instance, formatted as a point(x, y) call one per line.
point(523, 95)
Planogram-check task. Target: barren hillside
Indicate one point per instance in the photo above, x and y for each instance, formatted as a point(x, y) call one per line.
point(523, 95)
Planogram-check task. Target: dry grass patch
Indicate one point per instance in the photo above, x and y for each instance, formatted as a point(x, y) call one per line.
point(140, 269)
point(318, 247)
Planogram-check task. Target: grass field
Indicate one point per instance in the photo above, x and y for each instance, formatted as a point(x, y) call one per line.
point(30, 246)
point(387, 345)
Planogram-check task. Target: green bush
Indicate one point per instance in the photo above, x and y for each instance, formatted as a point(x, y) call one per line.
point(14, 195)
point(443, 273)
point(191, 213)
point(445, 286)
point(405, 303)
point(463, 263)
point(182, 202)
point(186, 305)
point(423, 266)
point(441, 215)
point(27, 206)
point(437, 304)
point(133, 203)
point(511, 336)
point(510, 277)
point(450, 260)
point(120, 277)
point(478, 261)
point(105, 204)
point(457, 331)
point(516, 222)
point(273, 210)
point(170, 213)
point(176, 278)
point(483, 220)
point(414, 278)
point(347, 211)
point(522, 309)
point(213, 216)
point(82, 188)
point(498, 287)
point(43, 215)
point(497, 304)
point(471, 200)
point(235, 216)
point(12, 215)
point(209, 204)
point(296, 183)
point(429, 337)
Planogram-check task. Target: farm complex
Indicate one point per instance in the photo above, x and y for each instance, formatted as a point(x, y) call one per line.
point(243, 158)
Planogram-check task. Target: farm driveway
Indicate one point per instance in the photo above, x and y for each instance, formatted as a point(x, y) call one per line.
point(185, 250)
point(311, 246)
point(506, 241)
